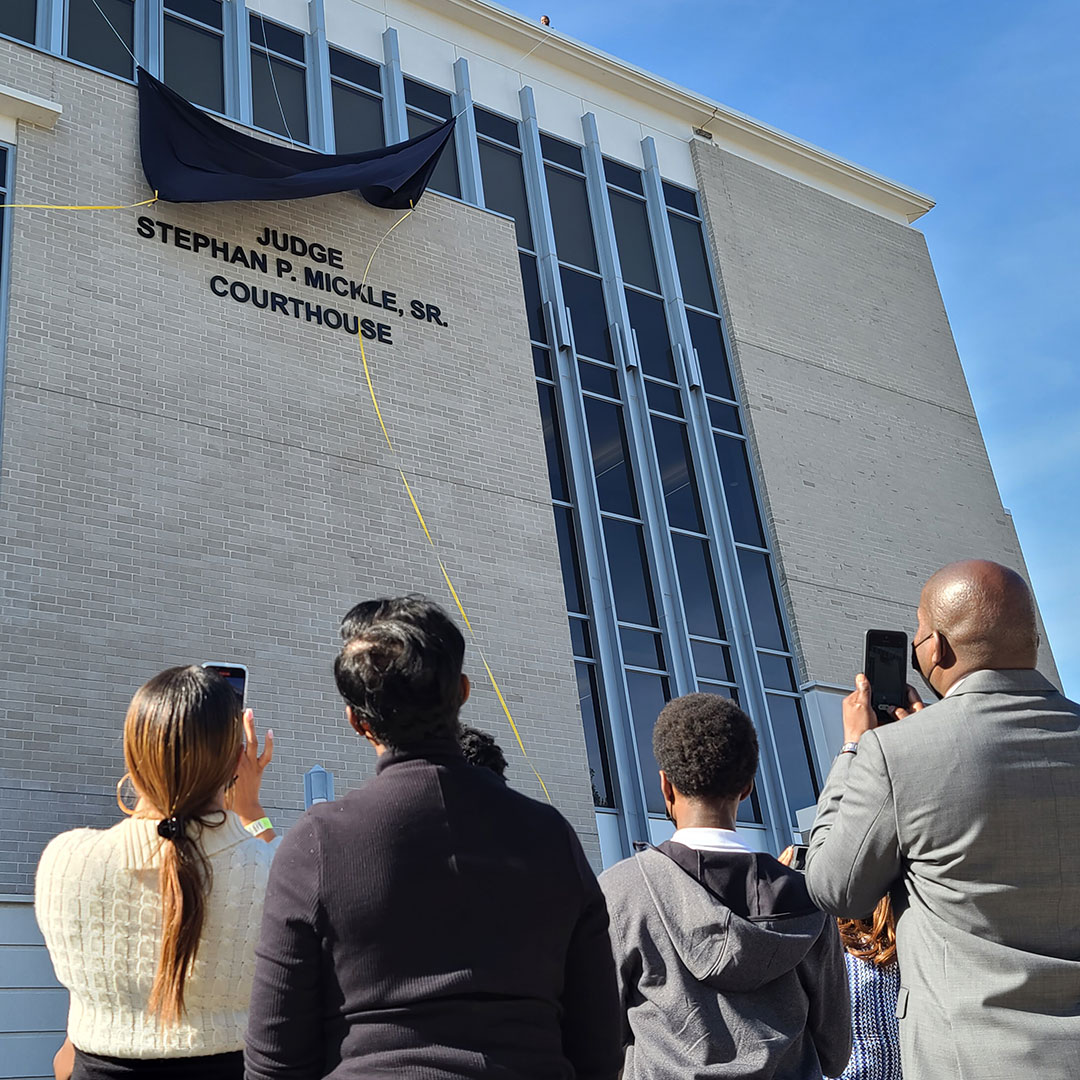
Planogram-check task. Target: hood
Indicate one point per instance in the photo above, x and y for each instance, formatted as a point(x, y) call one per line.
point(737, 920)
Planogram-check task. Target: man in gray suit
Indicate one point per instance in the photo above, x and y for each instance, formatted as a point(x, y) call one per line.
point(968, 812)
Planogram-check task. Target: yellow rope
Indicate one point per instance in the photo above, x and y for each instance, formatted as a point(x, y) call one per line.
point(427, 532)
point(55, 206)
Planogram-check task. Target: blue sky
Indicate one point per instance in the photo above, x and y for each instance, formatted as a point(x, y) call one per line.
point(976, 104)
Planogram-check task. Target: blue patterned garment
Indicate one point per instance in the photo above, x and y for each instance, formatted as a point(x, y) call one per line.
point(875, 1044)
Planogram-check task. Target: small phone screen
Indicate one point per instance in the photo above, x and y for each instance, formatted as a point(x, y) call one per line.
point(236, 677)
point(886, 668)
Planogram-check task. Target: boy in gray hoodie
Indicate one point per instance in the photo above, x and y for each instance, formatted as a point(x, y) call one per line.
point(726, 968)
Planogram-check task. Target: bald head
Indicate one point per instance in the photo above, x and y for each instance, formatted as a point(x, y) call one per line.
point(985, 612)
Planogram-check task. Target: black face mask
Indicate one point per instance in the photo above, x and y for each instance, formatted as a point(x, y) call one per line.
point(915, 665)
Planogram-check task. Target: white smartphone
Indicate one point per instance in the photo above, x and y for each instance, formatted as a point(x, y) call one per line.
point(235, 675)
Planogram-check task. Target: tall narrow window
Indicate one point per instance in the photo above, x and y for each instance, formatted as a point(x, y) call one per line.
point(356, 92)
point(427, 109)
point(102, 34)
point(18, 19)
point(278, 79)
point(195, 51)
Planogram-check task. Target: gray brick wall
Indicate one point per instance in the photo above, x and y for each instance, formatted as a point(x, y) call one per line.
point(873, 467)
point(188, 478)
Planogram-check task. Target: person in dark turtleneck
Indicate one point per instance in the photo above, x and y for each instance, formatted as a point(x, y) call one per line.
point(434, 923)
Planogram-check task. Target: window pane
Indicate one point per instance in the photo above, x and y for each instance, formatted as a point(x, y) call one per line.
point(580, 638)
point(18, 19)
point(776, 672)
point(194, 64)
point(648, 695)
point(677, 475)
point(549, 418)
point(761, 599)
point(270, 35)
point(206, 11)
point(706, 687)
point(649, 324)
point(642, 649)
point(623, 176)
point(692, 261)
point(428, 98)
point(570, 218)
point(680, 199)
point(344, 65)
point(598, 379)
point(445, 177)
point(584, 297)
point(568, 556)
point(610, 458)
point(629, 576)
point(724, 416)
point(534, 305)
point(697, 585)
point(712, 661)
point(495, 126)
point(739, 491)
point(708, 339)
point(504, 187)
point(664, 398)
point(563, 152)
point(358, 120)
point(634, 241)
point(595, 741)
point(90, 34)
point(793, 749)
point(541, 363)
point(278, 88)
point(750, 809)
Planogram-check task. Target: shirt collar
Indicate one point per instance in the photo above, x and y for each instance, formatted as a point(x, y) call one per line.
point(439, 751)
point(708, 839)
point(959, 682)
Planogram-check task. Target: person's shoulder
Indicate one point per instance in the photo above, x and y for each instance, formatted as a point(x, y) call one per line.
point(786, 887)
point(78, 844)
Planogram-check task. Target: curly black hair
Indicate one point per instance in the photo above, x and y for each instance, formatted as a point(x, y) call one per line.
point(707, 746)
point(481, 749)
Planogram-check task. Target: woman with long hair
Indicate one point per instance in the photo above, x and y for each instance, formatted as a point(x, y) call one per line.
point(151, 924)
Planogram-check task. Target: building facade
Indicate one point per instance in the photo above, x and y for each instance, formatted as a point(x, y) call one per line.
point(675, 392)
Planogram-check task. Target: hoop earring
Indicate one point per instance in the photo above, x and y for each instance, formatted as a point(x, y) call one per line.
point(119, 795)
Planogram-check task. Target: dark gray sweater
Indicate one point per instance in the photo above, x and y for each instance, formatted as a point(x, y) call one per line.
point(726, 969)
point(433, 924)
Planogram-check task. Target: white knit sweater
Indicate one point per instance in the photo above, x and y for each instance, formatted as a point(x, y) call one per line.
point(99, 909)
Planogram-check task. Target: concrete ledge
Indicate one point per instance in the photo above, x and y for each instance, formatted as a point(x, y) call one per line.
point(22, 106)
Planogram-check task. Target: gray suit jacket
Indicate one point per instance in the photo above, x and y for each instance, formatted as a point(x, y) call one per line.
point(969, 812)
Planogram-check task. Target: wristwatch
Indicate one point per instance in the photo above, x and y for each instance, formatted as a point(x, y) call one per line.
point(257, 828)
point(849, 748)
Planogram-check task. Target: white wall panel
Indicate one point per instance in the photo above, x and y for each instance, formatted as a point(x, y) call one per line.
point(290, 12)
point(355, 27)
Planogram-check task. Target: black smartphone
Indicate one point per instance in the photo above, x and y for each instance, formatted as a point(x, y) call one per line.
point(885, 664)
point(798, 857)
point(234, 674)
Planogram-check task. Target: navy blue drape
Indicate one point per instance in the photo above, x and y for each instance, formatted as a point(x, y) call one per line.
point(188, 156)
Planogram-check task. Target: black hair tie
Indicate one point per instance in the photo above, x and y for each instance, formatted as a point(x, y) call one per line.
point(170, 828)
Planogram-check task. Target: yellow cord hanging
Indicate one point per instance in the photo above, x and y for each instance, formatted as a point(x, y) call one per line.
point(55, 206)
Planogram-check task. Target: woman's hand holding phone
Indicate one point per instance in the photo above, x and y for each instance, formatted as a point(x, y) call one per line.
point(249, 772)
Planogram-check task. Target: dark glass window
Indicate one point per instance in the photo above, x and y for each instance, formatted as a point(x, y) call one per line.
point(648, 695)
point(634, 241)
point(428, 99)
point(708, 340)
point(568, 555)
point(761, 599)
point(641, 648)
point(692, 261)
point(649, 324)
point(358, 119)
point(629, 576)
point(541, 363)
point(91, 38)
point(18, 19)
point(584, 297)
point(739, 491)
point(534, 305)
point(580, 638)
point(724, 416)
point(793, 749)
point(445, 177)
point(276, 38)
point(680, 199)
point(697, 586)
point(598, 378)
point(204, 11)
point(353, 69)
point(712, 661)
point(496, 127)
point(195, 61)
point(563, 153)
point(595, 742)
point(623, 176)
point(610, 457)
point(677, 475)
point(749, 809)
point(549, 417)
point(279, 96)
point(504, 187)
point(663, 398)
point(570, 219)
point(776, 672)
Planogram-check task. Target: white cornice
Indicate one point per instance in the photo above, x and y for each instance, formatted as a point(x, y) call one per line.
point(19, 105)
point(730, 129)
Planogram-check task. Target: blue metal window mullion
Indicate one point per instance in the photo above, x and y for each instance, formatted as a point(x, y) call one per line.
point(317, 57)
point(715, 506)
point(5, 275)
point(634, 824)
point(49, 31)
point(468, 151)
point(150, 36)
point(238, 72)
point(395, 118)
